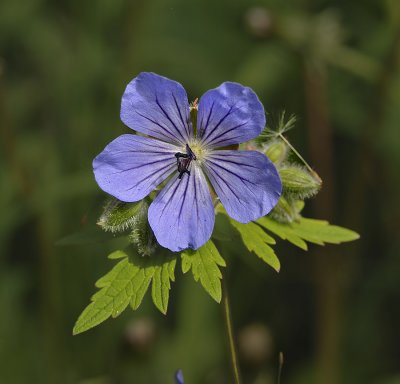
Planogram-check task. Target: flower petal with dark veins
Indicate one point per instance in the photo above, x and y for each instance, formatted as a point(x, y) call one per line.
point(246, 182)
point(182, 215)
point(132, 166)
point(158, 107)
point(229, 114)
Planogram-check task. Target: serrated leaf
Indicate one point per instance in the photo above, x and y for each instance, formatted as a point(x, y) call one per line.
point(311, 230)
point(205, 263)
point(163, 275)
point(111, 300)
point(127, 283)
point(320, 232)
point(284, 231)
point(142, 282)
point(257, 240)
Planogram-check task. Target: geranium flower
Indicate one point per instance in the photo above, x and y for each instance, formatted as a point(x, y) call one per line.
point(182, 214)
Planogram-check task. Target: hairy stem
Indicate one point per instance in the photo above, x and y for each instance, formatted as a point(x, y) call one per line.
point(229, 331)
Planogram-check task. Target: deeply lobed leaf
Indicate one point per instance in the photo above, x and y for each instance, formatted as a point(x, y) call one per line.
point(127, 283)
point(256, 240)
point(205, 263)
point(310, 230)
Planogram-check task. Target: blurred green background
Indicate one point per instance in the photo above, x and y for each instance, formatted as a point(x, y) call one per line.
point(334, 311)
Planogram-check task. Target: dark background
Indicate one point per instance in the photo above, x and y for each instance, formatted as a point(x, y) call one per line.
point(333, 311)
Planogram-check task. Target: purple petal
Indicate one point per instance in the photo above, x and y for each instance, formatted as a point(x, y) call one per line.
point(246, 182)
point(182, 215)
point(132, 166)
point(179, 376)
point(229, 114)
point(158, 107)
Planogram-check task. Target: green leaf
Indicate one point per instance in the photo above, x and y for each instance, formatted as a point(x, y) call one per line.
point(284, 231)
point(127, 283)
point(116, 255)
point(205, 263)
point(162, 277)
point(256, 240)
point(314, 231)
point(320, 232)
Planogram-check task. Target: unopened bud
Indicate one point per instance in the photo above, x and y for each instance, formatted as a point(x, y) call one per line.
point(276, 151)
point(119, 216)
point(142, 236)
point(284, 211)
point(298, 182)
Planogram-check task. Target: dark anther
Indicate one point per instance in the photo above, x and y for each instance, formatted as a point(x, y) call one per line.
point(183, 161)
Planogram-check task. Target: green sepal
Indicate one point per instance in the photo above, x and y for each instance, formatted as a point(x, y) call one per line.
point(298, 183)
point(204, 263)
point(119, 216)
point(126, 284)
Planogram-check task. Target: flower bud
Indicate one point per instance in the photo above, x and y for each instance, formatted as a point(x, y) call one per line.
point(284, 211)
point(119, 216)
point(298, 182)
point(142, 236)
point(276, 151)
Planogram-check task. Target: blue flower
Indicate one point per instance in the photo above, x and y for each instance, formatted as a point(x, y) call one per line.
point(182, 214)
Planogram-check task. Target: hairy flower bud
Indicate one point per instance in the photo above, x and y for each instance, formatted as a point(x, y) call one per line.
point(276, 151)
point(119, 216)
point(142, 235)
point(284, 211)
point(298, 182)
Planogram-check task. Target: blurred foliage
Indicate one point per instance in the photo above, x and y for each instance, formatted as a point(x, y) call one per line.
point(63, 68)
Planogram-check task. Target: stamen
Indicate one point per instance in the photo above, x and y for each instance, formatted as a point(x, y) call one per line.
point(183, 161)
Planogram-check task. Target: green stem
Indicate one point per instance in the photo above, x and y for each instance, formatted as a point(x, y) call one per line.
point(229, 331)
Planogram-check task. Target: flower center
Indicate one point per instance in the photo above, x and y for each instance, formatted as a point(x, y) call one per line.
point(198, 149)
point(195, 151)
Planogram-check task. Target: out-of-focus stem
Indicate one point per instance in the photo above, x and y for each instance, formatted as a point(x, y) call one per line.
point(229, 331)
point(329, 295)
